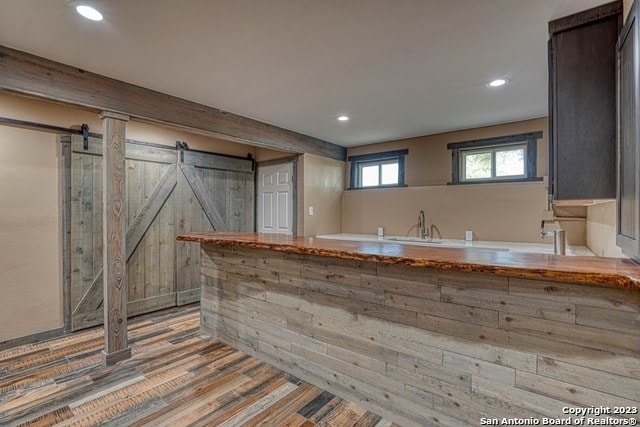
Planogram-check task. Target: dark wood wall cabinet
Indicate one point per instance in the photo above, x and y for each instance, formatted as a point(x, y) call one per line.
point(628, 85)
point(582, 103)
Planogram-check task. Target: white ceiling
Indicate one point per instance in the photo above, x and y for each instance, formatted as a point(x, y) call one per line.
point(398, 68)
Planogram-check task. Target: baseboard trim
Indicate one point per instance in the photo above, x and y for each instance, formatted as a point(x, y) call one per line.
point(31, 339)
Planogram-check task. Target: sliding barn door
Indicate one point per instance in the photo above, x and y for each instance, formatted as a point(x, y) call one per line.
point(165, 197)
point(217, 193)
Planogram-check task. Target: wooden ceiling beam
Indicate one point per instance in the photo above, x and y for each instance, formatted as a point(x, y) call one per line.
point(35, 76)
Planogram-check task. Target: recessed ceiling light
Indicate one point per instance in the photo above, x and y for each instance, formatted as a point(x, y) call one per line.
point(343, 118)
point(89, 12)
point(497, 83)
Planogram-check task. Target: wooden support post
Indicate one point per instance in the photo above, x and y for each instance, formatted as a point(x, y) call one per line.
point(115, 255)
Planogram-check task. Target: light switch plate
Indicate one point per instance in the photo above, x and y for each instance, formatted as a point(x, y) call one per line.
point(310, 210)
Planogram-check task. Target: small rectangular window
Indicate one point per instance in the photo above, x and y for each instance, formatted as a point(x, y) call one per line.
point(501, 159)
point(378, 169)
point(493, 162)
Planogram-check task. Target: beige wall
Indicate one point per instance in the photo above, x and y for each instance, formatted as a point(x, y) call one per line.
point(323, 183)
point(429, 161)
point(30, 259)
point(502, 212)
point(601, 230)
point(266, 154)
point(573, 220)
point(626, 5)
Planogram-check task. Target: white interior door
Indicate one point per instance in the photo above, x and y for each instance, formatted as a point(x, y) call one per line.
point(275, 198)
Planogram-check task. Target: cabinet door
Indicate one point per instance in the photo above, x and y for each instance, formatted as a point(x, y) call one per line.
point(584, 110)
point(628, 137)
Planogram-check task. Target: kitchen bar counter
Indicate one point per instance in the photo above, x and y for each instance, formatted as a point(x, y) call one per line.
point(604, 271)
point(428, 336)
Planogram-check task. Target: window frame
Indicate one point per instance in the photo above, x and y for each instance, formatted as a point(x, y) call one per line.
point(379, 159)
point(528, 141)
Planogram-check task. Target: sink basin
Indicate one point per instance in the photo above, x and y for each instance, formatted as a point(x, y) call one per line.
point(414, 240)
point(441, 243)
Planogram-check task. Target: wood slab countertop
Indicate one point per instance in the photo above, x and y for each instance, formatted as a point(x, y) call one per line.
point(604, 271)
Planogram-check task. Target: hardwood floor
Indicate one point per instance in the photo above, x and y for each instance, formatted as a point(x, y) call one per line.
point(176, 376)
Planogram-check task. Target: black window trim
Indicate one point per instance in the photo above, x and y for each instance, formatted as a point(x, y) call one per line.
point(531, 140)
point(373, 157)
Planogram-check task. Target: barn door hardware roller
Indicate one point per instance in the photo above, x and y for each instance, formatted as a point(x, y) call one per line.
point(85, 136)
point(253, 162)
point(181, 146)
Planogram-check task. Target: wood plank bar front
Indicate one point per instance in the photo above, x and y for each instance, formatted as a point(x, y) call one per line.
point(114, 255)
point(426, 337)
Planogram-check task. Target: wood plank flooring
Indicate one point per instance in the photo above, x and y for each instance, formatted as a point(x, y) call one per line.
point(175, 377)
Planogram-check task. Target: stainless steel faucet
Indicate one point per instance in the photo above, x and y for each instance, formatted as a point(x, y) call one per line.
point(559, 239)
point(422, 231)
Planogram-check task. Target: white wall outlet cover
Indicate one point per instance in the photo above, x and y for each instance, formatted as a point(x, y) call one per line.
point(310, 210)
point(468, 236)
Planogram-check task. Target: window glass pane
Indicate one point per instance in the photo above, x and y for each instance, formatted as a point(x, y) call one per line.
point(369, 176)
point(477, 166)
point(390, 174)
point(510, 162)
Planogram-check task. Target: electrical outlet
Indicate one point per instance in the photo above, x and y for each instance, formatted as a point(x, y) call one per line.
point(310, 210)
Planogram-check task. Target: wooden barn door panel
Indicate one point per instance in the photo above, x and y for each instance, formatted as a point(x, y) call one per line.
point(164, 198)
point(86, 231)
point(190, 217)
point(150, 236)
point(151, 180)
point(217, 193)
